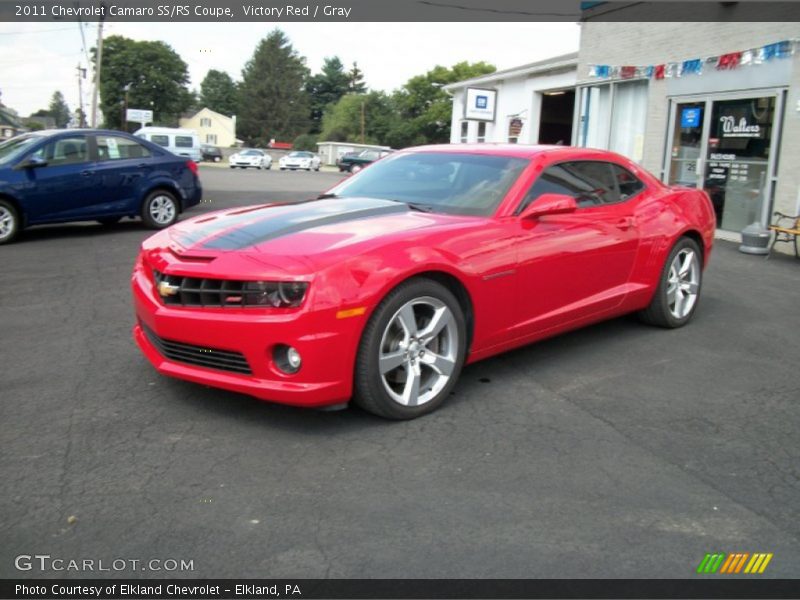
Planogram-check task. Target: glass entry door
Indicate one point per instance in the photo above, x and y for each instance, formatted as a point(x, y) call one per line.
point(726, 146)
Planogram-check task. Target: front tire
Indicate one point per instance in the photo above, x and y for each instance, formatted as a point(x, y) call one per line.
point(355, 169)
point(9, 222)
point(160, 210)
point(678, 289)
point(411, 352)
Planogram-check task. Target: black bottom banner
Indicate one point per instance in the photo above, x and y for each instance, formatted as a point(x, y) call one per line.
point(251, 589)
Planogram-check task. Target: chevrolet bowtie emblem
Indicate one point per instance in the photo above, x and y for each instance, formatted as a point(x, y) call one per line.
point(165, 288)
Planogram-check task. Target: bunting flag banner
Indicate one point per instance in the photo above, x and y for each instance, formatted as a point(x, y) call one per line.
point(697, 66)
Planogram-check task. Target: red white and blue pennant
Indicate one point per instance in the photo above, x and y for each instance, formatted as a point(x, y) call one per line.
point(696, 66)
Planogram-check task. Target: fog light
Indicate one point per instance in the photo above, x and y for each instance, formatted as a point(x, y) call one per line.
point(287, 359)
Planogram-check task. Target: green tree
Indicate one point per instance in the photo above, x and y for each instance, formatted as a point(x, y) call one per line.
point(355, 78)
point(325, 88)
point(425, 108)
point(342, 122)
point(307, 141)
point(273, 101)
point(59, 110)
point(218, 92)
point(154, 74)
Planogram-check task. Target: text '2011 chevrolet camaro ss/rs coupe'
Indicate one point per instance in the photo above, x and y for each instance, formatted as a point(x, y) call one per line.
point(431, 258)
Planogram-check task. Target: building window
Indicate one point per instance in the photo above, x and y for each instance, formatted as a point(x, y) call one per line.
point(613, 117)
point(205, 122)
point(211, 138)
point(464, 131)
point(481, 132)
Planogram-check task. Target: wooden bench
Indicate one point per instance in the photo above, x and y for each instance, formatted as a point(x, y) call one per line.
point(787, 229)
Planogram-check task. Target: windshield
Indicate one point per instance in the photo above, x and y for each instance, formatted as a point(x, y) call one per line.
point(14, 147)
point(465, 184)
point(300, 155)
point(251, 153)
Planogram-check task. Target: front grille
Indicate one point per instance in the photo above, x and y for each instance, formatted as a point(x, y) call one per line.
point(193, 291)
point(200, 356)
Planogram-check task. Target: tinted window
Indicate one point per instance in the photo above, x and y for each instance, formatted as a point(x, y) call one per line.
point(458, 183)
point(183, 141)
point(65, 151)
point(111, 147)
point(591, 183)
point(252, 153)
point(161, 140)
point(628, 184)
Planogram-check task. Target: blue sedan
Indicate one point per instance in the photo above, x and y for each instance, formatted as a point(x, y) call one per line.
point(66, 175)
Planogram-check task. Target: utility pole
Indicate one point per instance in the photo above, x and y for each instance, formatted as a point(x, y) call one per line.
point(81, 114)
point(363, 121)
point(98, 65)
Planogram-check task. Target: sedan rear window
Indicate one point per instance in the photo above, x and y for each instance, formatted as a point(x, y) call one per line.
point(457, 183)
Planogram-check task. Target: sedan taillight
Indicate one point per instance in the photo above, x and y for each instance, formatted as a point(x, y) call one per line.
point(192, 166)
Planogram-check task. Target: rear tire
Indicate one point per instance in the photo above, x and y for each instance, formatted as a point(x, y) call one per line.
point(679, 287)
point(411, 352)
point(9, 222)
point(160, 209)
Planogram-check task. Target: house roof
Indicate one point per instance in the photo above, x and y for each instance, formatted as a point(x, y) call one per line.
point(207, 110)
point(9, 119)
point(555, 63)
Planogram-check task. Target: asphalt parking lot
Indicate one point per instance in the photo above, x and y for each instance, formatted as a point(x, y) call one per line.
point(616, 451)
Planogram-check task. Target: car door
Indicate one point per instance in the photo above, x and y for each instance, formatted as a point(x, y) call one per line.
point(65, 186)
point(123, 164)
point(574, 265)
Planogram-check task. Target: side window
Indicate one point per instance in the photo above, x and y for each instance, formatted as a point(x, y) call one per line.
point(627, 182)
point(183, 141)
point(161, 140)
point(111, 147)
point(66, 151)
point(590, 182)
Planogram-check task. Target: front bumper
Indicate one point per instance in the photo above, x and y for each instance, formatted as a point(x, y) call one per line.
point(327, 346)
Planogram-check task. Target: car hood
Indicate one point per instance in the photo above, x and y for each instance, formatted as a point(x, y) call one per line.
point(307, 229)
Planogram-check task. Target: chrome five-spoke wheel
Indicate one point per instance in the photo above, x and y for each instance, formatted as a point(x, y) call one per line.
point(411, 351)
point(678, 292)
point(683, 283)
point(418, 351)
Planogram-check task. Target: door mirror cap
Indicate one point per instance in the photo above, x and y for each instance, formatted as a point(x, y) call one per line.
point(32, 162)
point(549, 204)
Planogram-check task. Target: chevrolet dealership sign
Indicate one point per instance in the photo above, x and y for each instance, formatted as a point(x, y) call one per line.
point(480, 104)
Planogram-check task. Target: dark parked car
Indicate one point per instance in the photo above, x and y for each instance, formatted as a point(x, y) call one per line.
point(210, 153)
point(353, 164)
point(56, 176)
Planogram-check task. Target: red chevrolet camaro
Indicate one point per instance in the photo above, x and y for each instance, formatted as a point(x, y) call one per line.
point(383, 288)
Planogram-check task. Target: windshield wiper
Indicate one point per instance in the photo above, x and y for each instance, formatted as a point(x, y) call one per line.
point(326, 196)
point(426, 208)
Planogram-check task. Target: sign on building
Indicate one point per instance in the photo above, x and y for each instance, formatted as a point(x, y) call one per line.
point(480, 104)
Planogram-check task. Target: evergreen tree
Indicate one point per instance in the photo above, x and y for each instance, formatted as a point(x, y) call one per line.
point(325, 88)
point(59, 110)
point(356, 80)
point(273, 101)
point(218, 92)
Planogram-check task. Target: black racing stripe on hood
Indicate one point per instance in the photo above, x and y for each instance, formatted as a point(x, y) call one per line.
point(297, 218)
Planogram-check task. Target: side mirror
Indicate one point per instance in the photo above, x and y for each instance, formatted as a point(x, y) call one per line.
point(32, 162)
point(549, 204)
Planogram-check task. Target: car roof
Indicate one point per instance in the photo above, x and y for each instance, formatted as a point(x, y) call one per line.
point(52, 132)
point(514, 150)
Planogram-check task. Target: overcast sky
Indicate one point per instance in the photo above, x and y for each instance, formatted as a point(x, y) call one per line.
point(37, 59)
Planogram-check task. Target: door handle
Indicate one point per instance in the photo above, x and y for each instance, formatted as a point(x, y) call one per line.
point(624, 223)
point(87, 173)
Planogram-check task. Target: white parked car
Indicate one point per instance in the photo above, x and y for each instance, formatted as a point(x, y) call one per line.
point(300, 160)
point(250, 158)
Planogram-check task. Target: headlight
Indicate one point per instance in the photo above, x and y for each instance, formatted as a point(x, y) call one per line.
point(277, 294)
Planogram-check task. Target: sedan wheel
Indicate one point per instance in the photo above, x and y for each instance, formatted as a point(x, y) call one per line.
point(355, 168)
point(160, 210)
point(9, 222)
point(412, 351)
point(678, 291)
